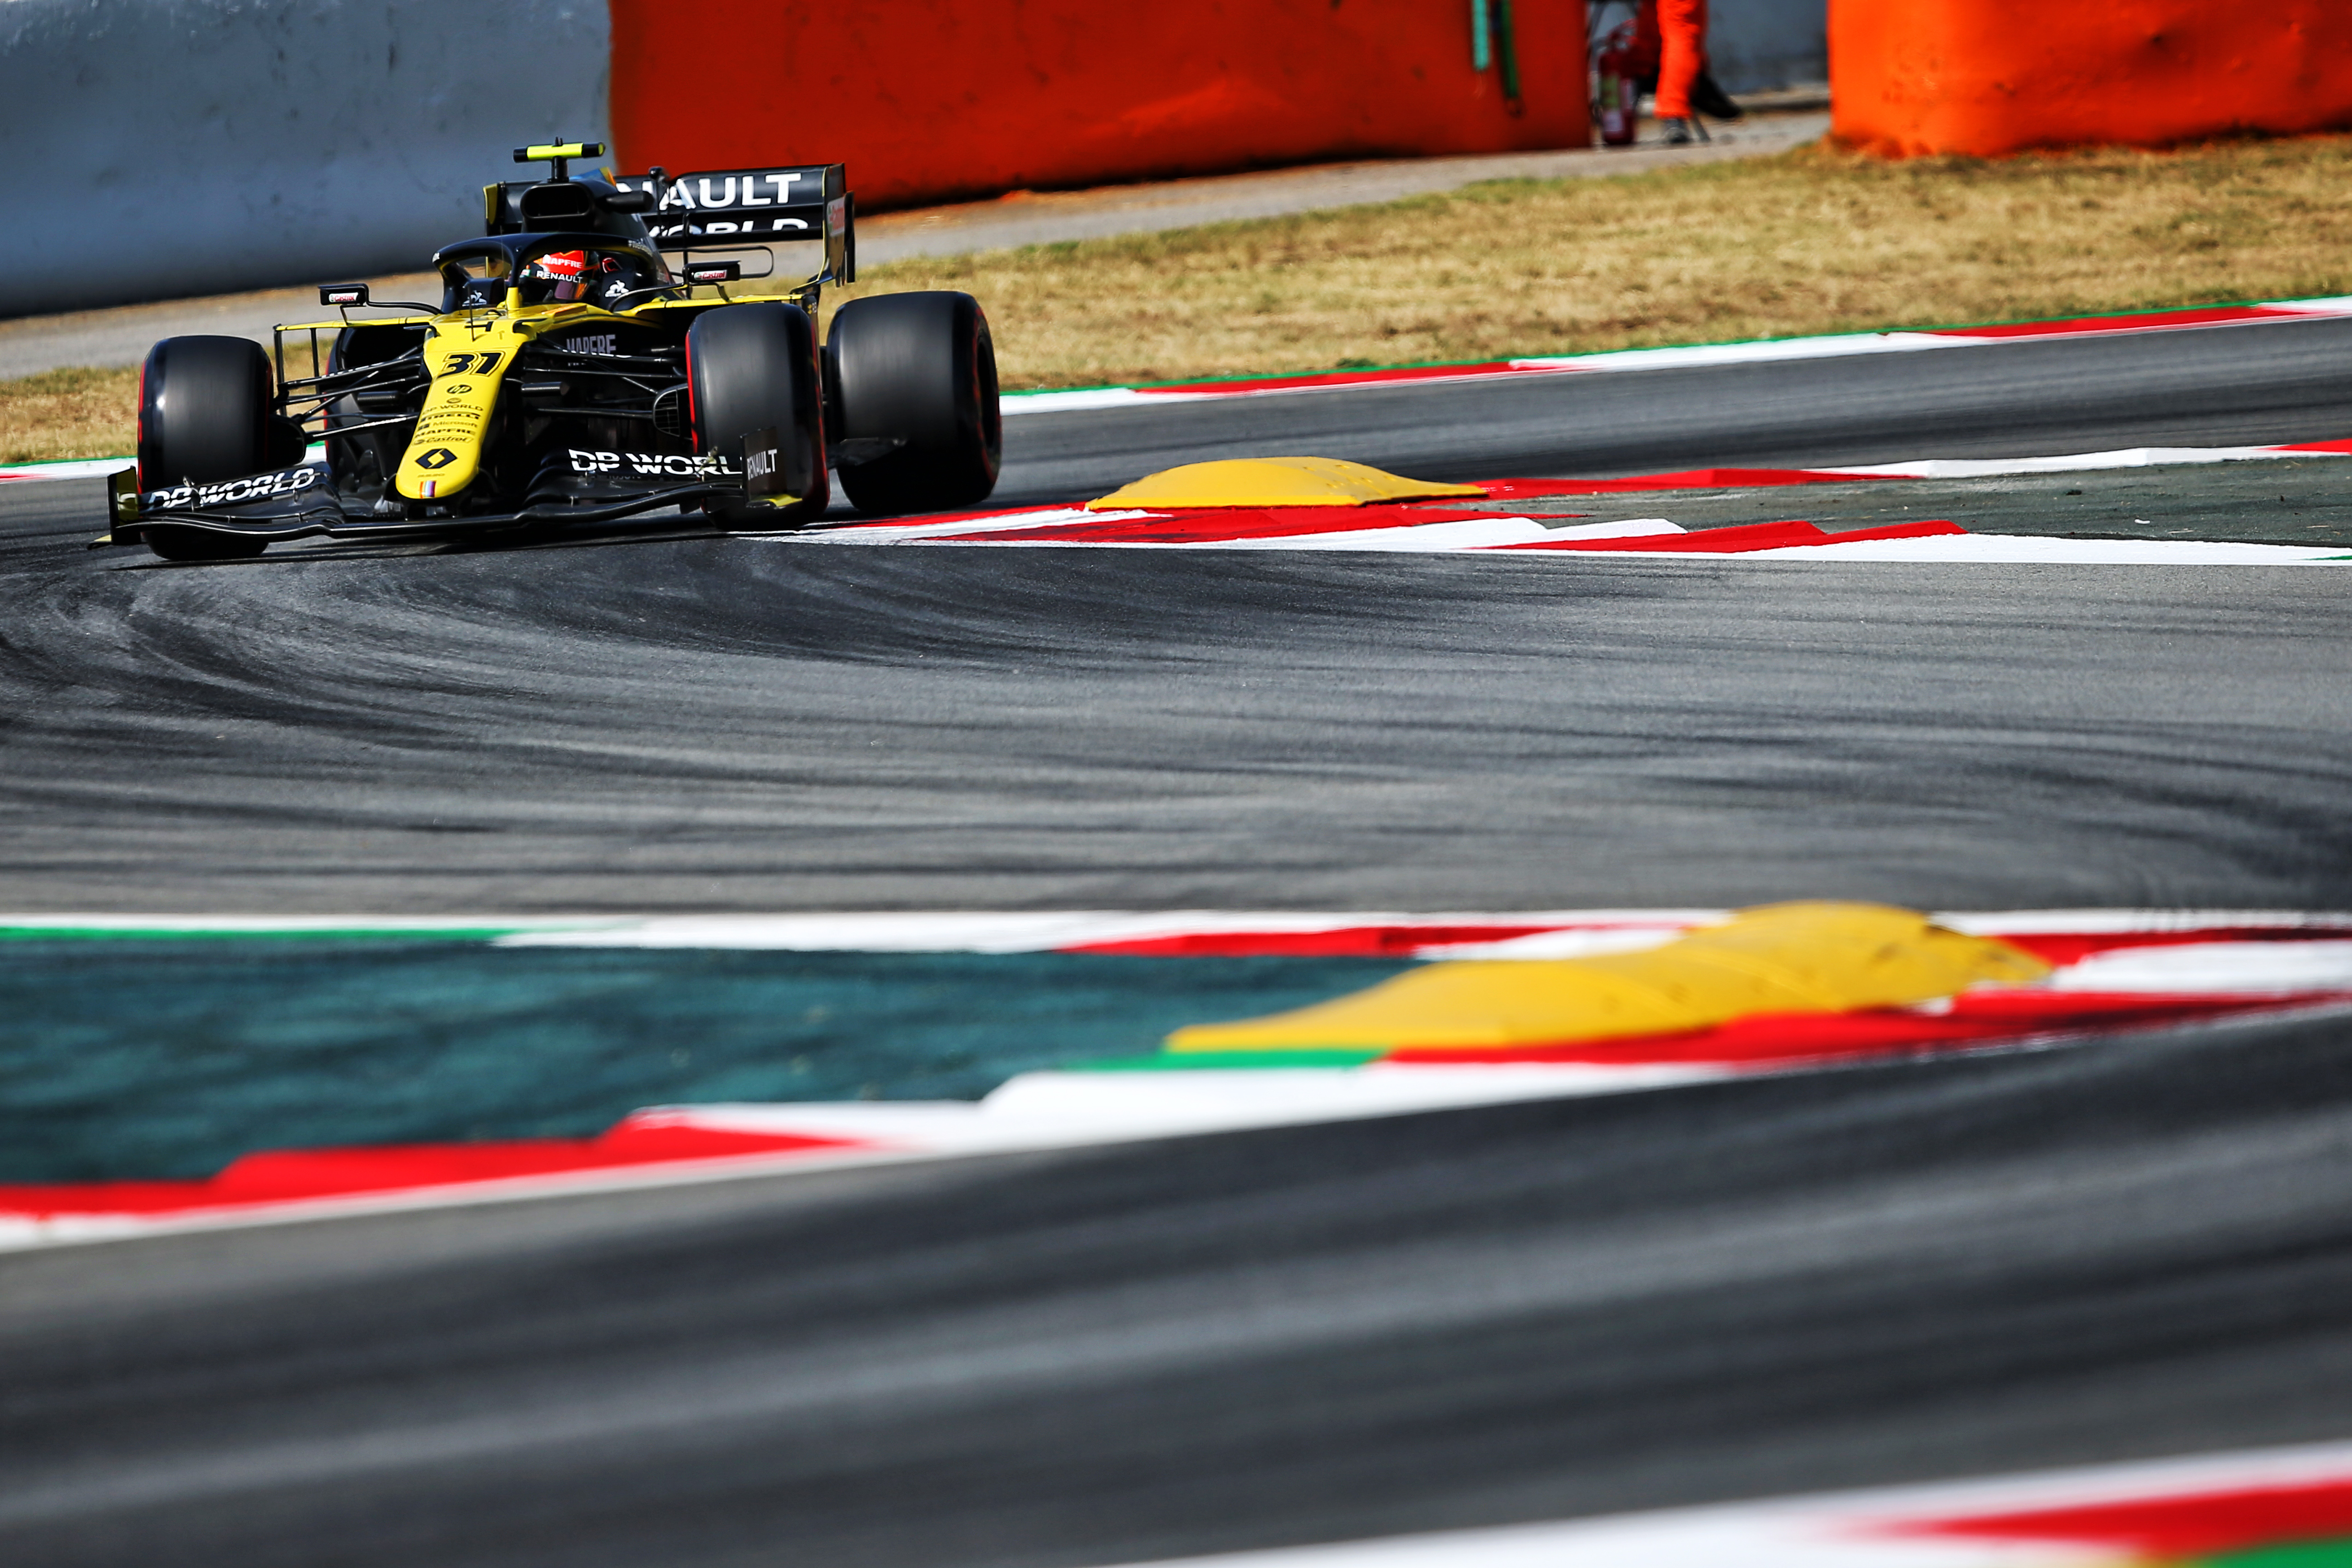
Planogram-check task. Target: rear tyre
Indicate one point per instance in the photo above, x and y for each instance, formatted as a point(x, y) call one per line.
point(205, 416)
point(754, 367)
point(917, 385)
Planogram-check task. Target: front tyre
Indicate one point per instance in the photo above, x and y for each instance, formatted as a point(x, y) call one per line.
point(917, 392)
point(750, 368)
point(205, 415)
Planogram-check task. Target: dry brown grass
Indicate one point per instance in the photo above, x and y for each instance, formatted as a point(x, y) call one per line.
point(68, 414)
point(1812, 241)
point(64, 414)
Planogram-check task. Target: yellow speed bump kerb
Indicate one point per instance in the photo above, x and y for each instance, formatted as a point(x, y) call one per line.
point(1272, 481)
point(1779, 958)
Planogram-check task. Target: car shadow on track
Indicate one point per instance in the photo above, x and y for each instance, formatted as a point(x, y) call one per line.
point(308, 553)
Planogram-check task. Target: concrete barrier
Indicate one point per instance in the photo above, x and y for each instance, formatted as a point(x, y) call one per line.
point(1990, 77)
point(181, 147)
point(175, 148)
point(928, 99)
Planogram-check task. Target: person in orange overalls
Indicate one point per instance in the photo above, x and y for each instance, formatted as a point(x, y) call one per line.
point(1669, 60)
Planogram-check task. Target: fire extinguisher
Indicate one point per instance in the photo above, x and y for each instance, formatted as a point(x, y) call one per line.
point(1616, 101)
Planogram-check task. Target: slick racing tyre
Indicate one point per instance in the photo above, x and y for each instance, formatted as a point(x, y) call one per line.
point(754, 367)
point(205, 416)
point(916, 395)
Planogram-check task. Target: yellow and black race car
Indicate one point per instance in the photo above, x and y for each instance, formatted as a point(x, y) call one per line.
point(570, 374)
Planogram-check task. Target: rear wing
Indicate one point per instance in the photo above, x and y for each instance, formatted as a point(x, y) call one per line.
point(739, 206)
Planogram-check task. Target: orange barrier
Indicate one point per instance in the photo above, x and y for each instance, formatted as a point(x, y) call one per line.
point(1991, 76)
point(928, 99)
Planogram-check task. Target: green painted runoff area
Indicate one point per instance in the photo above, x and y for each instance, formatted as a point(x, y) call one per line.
point(168, 1057)
point(2305, 1554)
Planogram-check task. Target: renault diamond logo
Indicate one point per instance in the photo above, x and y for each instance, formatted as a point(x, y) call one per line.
point(439, 458)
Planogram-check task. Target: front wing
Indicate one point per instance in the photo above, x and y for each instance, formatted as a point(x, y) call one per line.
point(300, 503)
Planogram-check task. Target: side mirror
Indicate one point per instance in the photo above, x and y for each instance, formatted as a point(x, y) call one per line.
point(627, 202)
point(475, 294)
point(342, 293)
point(714, 272)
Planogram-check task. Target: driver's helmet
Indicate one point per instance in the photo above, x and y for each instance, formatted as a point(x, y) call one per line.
point(566, 272)
point(604, 278)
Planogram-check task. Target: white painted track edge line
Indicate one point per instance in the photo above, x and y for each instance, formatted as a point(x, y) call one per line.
point(1047, 931)
point(1060, 1132)
point(1753, 350)
point(1861, 1528)
point(23, 1234)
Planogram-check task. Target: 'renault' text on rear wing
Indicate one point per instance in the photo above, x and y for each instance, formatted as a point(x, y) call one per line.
point(723, 207)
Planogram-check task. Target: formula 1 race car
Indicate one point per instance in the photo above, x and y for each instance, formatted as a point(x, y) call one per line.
point(571, 374)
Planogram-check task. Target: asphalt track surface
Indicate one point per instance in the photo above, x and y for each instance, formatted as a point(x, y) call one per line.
point(2219, 387)
point(733, 724)
point(1892, 1274)
point(1868, 1276)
